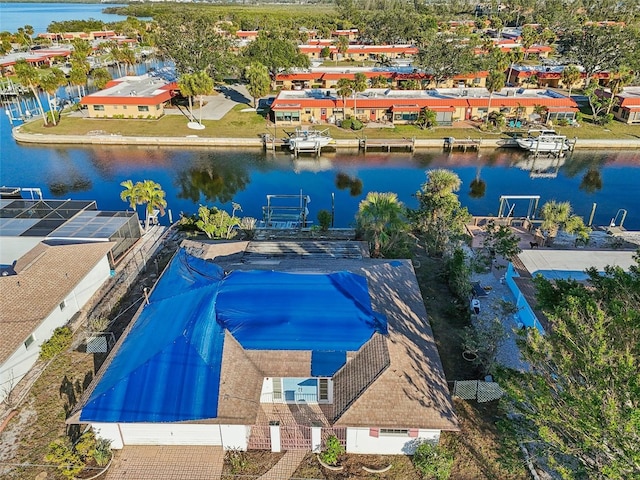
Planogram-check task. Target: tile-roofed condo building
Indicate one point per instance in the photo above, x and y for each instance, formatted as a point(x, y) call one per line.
point(296, 107)
point(143, 96)
point(237, 351)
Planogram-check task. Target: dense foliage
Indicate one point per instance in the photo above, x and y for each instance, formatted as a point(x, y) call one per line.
point(439, 221)
point(58, 343)
point(583, 392)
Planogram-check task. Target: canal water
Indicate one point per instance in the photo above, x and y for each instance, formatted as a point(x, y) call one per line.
point(340, 180)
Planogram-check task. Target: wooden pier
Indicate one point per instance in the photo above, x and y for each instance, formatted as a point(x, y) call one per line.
point(388, 144)
point(451, 143)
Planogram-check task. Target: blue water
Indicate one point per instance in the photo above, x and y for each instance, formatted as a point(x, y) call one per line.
point(40, 15)
point(217, 176)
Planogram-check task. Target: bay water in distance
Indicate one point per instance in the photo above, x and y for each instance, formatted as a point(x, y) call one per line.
point(339, 180)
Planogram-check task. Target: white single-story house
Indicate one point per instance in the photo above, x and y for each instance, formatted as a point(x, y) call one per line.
point(555, 265)
point(42, 291)
point(278, 351)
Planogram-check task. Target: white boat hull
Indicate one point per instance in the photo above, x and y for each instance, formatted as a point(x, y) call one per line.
point(309, 144)
point(543, 145)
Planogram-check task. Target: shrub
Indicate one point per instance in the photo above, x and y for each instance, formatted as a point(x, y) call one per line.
point(102, 452)
point(324, 219)
point(347, 123)
point(332, 451)
point(433, 461)
point(62, 454)
point(237, 460)
point(53, 114)
point(58, 343)
point(86, 445)
point(356, 124)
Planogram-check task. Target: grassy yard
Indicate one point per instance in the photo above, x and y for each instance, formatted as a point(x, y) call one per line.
point(239, 124)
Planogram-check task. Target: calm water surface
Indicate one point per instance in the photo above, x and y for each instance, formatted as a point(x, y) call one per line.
point(40, 15)
point(216, 177)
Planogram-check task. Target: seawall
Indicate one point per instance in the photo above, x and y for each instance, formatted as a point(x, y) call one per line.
point(195, 141)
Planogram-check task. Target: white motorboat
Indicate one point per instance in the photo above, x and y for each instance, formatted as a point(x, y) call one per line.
point(308, 139)
point(543, 141)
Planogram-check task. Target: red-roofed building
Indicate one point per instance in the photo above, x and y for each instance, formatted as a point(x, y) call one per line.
point(359, 53)
point(131, 97)
point(294, 107)
point(627, 105)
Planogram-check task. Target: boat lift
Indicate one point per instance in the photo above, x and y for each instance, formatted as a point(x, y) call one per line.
point(286, 211)
point(505, 201)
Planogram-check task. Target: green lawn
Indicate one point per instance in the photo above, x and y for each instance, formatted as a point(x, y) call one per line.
point(238, 124)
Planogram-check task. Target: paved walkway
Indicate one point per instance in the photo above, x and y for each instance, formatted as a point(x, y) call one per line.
point(147, 462)
point(285, 467)
point(216, 106)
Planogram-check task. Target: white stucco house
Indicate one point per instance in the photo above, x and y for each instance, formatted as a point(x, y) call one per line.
point(42, 291)
point(267, 345)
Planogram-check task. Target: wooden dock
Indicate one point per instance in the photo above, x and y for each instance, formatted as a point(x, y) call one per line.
point(400, 143)
point(463, 144)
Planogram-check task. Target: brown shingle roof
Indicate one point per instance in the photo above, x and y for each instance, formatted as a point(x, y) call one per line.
point(282, 363)
point(360, 372)
point(412, 392)
point(240, 385)
point(45, 276)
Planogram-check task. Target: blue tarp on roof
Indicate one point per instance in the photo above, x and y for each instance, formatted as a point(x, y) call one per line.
point(292, 311)
point(326, 364)
point(168, 368)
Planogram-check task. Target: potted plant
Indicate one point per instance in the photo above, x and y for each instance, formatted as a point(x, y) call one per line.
point(329, 457)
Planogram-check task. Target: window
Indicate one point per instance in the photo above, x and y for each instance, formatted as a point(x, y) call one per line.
point(323, 389)
point(287, 116)
point(277, 388)
point(63, 305)
point(143, 108)
point(29, 341)
point(394, 432)
point(477, 81)
point(98, 108)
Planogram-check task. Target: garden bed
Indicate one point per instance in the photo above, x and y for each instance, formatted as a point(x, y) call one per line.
point(251, 463)
point(401, 467)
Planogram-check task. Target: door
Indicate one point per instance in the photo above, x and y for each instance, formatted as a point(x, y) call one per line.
point(372, 115)
point(323, 114)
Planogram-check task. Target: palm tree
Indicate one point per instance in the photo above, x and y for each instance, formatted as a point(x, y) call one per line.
point(146, 192)
point(128, 57)
point(101, 77)
point(202, 85)
point(50, 84)
point(79, 74)
point(380, 216)
point(570, 76)
point(554, 216)
point(342, 44)
point(495, 83)
point(619, 79)
point(516, 55)
point(258, 81)
point(29, 76)
point(151, 194)
point(130, 193)
point(359, 84)
point(344, 88)
point(185, 84)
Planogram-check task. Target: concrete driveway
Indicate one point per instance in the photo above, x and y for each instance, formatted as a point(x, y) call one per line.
point(148, 462)
point(217, 106)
